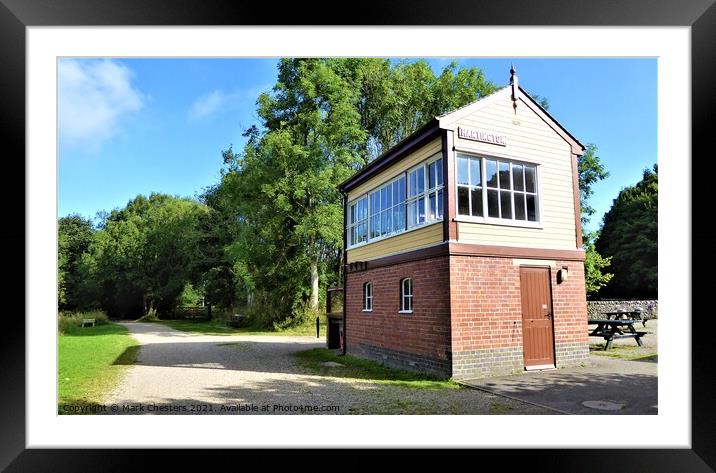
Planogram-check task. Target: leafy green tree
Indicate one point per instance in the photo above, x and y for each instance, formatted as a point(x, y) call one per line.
point(322, 121)
point(145, 254)
point(629, 236)
point(591, 171)
point(595, 266)
point(74, 237)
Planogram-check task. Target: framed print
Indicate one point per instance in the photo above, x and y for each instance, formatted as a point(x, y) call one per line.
point(388, 215)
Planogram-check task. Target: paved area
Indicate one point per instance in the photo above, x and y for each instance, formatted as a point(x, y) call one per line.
point(618, 386)
point(182, 373)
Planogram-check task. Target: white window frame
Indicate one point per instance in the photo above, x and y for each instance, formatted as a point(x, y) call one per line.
point(484, 188)
point(351, 224)
point(403, 202)
point(425, 195)
point(405, 296)
point(407, 227)
point(368, 296)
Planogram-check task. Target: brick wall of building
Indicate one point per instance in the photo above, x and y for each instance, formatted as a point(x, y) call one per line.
point(486, 309)
point(418, 341)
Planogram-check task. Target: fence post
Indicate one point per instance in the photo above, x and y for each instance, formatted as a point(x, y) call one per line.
point(318, 327)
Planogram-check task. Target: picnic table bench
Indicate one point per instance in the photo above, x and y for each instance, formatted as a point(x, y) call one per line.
point(612, 329)
point(636, 314)
point(88, 322)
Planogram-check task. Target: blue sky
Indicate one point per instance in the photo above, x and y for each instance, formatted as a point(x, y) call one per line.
point(131, 126)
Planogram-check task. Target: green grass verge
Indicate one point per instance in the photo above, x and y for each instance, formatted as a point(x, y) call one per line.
point(216, 327)
point(625, 352)
point(359, 368)
point(91, 362)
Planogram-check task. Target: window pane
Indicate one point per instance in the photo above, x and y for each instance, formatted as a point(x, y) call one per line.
point(375, 226)
point(530, 179)
point(362, 233)
point(505, 176)
point(439, 165)
point(383, 198)
point(433, 206)
point(420, 185)
point(374, 203)
point(353, 214)
point(492, 208)
point(353, 239)
point(517, 177)
point(475, 174)
point(421, 210)
point(412, 214)
point(385, 222)
point(441, 204)
point(506, 204)
point(412, 180)
point(398, 192)
point(432, 175)
point(462, 201)
point(531, 209)
point(363, 208)
point(476, 195)
point(491, 174)
point(519, 206)
point(462, 170)
point(399, 217)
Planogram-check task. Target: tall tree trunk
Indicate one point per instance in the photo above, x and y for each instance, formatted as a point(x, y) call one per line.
point(314, 283)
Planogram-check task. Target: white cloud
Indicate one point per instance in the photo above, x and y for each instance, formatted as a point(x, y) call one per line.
point(209, 104)
point(94, 95)
point(218, 101)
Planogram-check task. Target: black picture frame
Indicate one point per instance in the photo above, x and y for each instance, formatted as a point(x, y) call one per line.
point(16, 15)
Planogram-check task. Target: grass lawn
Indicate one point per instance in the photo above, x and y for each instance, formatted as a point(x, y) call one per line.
point(91, 362)
point(359, 368)
point(217, 327)
point(635, 353)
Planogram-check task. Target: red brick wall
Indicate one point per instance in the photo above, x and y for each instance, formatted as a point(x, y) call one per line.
point(487, 316)
point(467, 319)
point(424, 333)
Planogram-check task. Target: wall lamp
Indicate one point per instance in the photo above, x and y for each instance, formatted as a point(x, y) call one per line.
point(562, 274)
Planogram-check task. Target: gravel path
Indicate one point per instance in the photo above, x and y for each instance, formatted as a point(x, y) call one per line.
point(183, 373)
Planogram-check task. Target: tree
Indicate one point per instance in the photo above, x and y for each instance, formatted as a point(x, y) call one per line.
point(595, 265)
point(629, 236)
point(322, 121)
point(145, 254)
point(74, 237)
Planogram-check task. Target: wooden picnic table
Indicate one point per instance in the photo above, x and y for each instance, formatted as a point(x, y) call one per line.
point(612, 329)
point(627, 314)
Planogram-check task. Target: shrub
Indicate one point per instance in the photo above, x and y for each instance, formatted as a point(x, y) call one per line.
point(69, 320)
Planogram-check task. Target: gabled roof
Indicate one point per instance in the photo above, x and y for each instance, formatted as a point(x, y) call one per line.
point(448, 119)
point(431, 129)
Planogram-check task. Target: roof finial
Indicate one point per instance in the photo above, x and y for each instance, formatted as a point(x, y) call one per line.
point(515, 86)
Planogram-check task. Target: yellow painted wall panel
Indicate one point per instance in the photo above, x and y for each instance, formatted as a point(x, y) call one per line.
point(419, 238)
point(531, 139)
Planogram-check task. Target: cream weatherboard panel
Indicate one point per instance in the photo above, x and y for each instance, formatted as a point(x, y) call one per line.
point(413, 159)
point(528, 138)
point(413, 239)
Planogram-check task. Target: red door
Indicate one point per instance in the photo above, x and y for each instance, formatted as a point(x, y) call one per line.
point(537, 328)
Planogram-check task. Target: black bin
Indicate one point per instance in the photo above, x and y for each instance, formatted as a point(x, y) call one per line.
point(335, 331)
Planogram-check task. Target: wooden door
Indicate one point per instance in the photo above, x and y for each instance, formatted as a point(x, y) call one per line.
point(537, 326)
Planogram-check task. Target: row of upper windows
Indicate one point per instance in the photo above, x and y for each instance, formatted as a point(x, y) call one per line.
point(395, 207)
point(406, 296)
point(496, 190)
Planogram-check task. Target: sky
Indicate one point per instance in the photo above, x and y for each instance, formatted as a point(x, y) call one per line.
point(142, 125)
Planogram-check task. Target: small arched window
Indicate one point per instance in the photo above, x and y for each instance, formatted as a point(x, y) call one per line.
point(406, 295)
point(367, 296)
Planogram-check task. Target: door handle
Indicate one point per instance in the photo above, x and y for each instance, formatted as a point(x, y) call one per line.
point(548, 316)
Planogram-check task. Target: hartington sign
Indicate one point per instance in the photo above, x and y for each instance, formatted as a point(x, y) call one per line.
point(481, 135)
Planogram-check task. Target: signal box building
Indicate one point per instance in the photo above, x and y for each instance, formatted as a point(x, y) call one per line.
point(463, 247)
